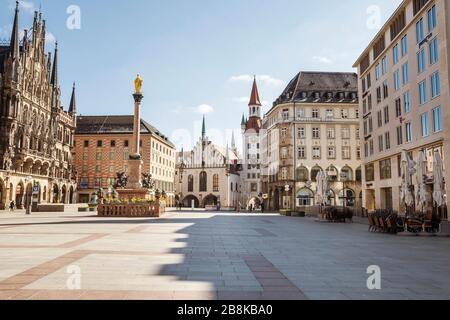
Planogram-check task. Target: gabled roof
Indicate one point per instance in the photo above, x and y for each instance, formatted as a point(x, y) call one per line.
point(115, 125)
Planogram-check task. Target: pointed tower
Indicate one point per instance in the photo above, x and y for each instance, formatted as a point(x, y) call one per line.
point(233, 143)
point(14, 46)
point(73, 103)
point(255, 103)
point(243, 123)
point(203, 141)
point(54, 78)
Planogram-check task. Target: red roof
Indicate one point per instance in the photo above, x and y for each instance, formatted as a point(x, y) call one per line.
point(254, 99)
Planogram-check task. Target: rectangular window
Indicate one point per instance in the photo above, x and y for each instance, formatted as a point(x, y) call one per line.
point(302, 153)
point(437, 119)
point(408, 131)
point(344, 114)
point(405, 73)
point(377, 71)
point(434, 51)
point(404, 46)
point(380, 144)
point(384, 66)
point(315, 114)
point(435, 85)
point(98, 156)
point(112, 155)
point(385, 90)
point(301, 114)
point(421, 60)
point(302, 133)
point(432, 21)
point(316, 133)
point(285, 115)
point(99, 143)
point(380, 118)
point(113, 143)
point(423, 92)
point(398, 108)
point(345, 133)
point(399, 136)
point(86, 143)
point(385, 169)
point(407, 101)
point(397, 80)
point(316, 153)
point(126, 143)
point(370, 172)
point(331, 133)
point(331, 153)
point(346, 153)
point(424, 122)
point(387, 140)
point(395, 54)
point(420, 33)
point(378, 95)
point(386, 115)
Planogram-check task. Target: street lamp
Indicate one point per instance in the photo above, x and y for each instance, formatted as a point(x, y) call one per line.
point(344, 193)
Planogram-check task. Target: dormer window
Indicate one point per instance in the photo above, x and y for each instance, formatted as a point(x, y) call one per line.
point(341, 95)
point(303, 95)
point(317, 95)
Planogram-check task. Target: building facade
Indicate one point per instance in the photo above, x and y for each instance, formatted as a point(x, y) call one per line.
point(313, 126)
point(404, 89)
point(251, 155)
point(36, 133)
point(208, 176)
point(102, 149)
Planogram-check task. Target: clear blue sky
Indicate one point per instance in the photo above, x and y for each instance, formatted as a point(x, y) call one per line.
point(197, 55)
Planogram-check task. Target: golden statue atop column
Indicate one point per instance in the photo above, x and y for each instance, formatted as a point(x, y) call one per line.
point(138, 84)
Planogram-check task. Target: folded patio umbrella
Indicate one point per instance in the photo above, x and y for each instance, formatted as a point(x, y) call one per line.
point(421, 194)
point(438, 168)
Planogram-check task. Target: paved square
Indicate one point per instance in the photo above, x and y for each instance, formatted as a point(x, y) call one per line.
point(207, 255)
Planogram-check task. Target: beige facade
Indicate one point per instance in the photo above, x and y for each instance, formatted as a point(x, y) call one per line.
point(36, 133)
point(208, 176)
point(102, 149)
point(404, 90)
point(313, 126)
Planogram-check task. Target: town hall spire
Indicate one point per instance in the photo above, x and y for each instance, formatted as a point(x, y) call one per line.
point(14, 46)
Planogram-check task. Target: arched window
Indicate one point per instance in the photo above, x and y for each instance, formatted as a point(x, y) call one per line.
point(216, 183)
point(314, 173)
point(347, 196)
point(305, 198)
point(332, 173)
point(302, 174)
point(203, 182)
point(347, 174)
point(191, 183)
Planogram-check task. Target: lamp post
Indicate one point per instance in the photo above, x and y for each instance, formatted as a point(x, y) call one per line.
point(344, 193)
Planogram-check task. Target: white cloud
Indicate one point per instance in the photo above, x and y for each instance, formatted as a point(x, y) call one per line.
point(203, 109)
point(28, 6)
point(50, 38)
point(323, 60)
point(241, 99)
point(266, 79)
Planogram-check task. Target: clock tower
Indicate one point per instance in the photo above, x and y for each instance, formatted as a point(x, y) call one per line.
point(251, 175)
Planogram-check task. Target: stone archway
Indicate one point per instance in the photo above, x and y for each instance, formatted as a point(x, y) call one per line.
point(20, 191)
point(187, 201)
point(63, 194)
point(55, 193)
point(276, 199)
point(71, 194)
point(2, 195)
point(210, 200)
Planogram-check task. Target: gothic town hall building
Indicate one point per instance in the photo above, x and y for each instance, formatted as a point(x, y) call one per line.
point(36, 134)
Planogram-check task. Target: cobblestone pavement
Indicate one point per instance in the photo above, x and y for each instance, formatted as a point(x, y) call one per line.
point(206, 255)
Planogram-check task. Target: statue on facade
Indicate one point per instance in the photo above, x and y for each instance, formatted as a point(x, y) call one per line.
point(7, 161)
point(121, 180)
point(147, 181)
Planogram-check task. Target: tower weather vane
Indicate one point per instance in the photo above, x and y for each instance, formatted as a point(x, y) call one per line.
point(138, 84)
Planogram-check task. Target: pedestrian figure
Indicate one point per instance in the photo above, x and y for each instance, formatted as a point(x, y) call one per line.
point(262, 207)
point(251, 208)
point(12, 206)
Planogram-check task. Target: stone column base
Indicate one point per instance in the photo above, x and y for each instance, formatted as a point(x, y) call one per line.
point(134, 174)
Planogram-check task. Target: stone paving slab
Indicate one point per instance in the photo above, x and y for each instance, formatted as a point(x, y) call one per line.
point(208, 255)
